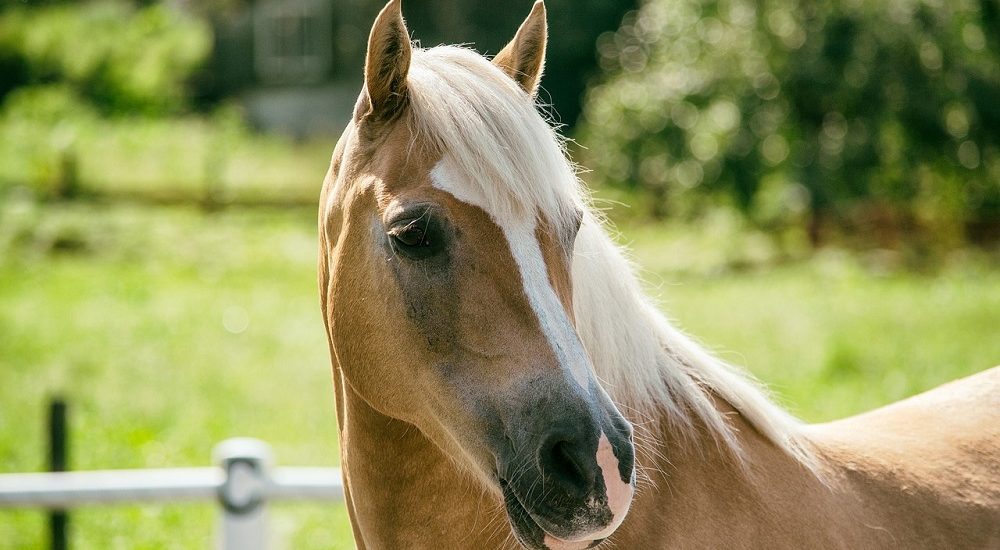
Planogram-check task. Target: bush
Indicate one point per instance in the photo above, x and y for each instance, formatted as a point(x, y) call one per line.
point(118, 57)
point(843, 114)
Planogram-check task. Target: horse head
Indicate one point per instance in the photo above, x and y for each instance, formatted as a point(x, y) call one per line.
point(449, 219)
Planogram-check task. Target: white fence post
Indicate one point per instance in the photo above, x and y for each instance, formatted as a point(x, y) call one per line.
point(246, 463)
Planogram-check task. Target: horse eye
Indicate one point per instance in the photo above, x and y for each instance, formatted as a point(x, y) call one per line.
point(411, 235)
point(419, 235)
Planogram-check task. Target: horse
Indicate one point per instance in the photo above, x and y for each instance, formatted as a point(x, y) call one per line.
point(502, 381)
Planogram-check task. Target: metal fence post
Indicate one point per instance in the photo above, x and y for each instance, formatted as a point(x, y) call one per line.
point(58, 462)
point(246, 463)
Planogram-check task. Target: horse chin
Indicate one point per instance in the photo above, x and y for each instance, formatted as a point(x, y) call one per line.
point(529, 533)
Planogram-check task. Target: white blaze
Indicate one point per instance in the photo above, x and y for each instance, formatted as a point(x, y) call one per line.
point(558, 330)
point(523, 244)
point(619, 492)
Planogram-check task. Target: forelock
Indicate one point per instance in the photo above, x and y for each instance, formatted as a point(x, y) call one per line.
point(491, 130)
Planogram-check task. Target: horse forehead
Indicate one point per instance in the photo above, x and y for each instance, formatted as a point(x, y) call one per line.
point(446, 176)
point(534, 259)
point(401, 161)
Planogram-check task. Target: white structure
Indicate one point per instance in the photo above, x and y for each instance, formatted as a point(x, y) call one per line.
point(243, 483)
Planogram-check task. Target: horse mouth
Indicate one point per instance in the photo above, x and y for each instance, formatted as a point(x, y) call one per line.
point(529, 533)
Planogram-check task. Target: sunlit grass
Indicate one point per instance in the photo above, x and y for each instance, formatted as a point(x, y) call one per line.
point(832, 333)
point(182, 158)
point(832, 341)
point(169, 329)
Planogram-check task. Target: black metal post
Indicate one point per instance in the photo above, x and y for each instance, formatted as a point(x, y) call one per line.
point(58, 462)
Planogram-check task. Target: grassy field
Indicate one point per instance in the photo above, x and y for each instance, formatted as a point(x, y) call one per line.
point(169, 330)
point(181, 158)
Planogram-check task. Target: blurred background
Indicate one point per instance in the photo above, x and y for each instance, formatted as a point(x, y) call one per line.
point(811, 188)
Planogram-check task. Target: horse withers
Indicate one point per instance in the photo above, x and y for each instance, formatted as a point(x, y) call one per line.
point(487, 336)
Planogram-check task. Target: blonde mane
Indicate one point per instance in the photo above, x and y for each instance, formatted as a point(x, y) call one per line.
point(492, 129)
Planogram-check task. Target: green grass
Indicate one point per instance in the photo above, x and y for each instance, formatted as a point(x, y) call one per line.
point(169, 330)
point(833, 335)
point(833, 343)
point(185, 157)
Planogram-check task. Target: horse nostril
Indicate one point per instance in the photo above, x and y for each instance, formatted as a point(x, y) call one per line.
point(564, 462)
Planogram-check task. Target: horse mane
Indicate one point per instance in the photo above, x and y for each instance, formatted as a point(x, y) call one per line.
point(492, 130)
point(489, 126)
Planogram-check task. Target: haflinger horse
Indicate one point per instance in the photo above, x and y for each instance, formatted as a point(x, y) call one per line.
point(502, 380)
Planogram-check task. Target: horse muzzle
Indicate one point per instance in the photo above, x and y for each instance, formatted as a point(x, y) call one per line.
point(575, 489)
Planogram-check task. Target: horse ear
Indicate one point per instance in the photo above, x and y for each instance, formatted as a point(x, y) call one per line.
point(523, 59)
point(387, 64)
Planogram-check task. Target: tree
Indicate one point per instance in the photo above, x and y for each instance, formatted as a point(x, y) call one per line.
point(838, 113)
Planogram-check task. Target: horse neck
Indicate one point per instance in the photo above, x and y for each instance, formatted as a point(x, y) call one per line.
point(708, 472)
point(402, 491)
point(695, 493)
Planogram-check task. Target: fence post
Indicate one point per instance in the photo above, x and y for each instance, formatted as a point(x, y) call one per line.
point(68, 184)
point(246, 463)
point(58, 462)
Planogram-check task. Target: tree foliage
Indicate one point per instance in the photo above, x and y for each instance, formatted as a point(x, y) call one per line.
point(819, 113)
point(116, 56)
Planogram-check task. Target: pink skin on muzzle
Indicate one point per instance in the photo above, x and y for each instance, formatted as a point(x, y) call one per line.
point(619, 499)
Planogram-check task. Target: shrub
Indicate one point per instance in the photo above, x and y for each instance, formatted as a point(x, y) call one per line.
point(120, 58)
point(839, 114)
